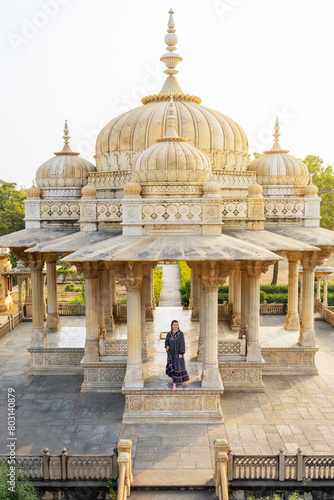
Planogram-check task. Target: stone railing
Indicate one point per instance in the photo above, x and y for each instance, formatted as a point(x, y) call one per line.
point(328, 316)
point(71, 309)
point(113, 347)
point(124, 469)
point(273, 308)
point(66, 467)
point(232, 347)
point(12, 321)
point(252, 470)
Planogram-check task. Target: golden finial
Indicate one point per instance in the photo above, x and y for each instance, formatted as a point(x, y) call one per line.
point(171, 59)
point(66, 148)
point(276, 148)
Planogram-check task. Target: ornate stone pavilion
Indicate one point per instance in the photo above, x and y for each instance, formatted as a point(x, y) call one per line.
point(172, 182)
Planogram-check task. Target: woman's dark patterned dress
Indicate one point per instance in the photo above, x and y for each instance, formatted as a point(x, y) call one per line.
point(176, 367)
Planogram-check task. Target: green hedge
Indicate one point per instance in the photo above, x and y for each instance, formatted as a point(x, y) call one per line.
point(185, 273)
point(157, 284)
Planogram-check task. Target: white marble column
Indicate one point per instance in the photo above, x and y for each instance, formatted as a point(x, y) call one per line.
point(100, 304)
point(19, 284)
point(152, 288)
point(52, 320)
point(195, 291)
point(300, 293)
point(143, 321)
point(325, 298)
point(149, 303)
point(108, 293)
point(200, 351)
point(319, 289)
point(243, 302)
point(236, 312)
point(253, 315)
point(134, 368)
point(292, 317)
point(210, 375)
point(307, 333)
point(92, 330)
point(38, 336)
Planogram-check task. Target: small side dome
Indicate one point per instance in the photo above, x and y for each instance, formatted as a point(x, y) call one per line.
point(255, 190)
point(65, 169)
point(33, 193)
point(211, 189)
point(276, 166)
point(132, 189)
point(172, 159)
point(89, 191)
point(311, 191)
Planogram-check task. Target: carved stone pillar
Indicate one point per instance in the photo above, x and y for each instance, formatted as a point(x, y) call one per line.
point(149, 304)
point(300, 293)
point(292, 317)
point(19, 284)
point(236, 311)
point(108, 293)
point(243, 301)
point(319, 289)
point(254, 271)
point(38, 336)
point(309, 261)
point(210, 281)
point(52, 320)
point(195, 291)
point(134, 368)
point(201, 339)
point(143, 322)
point(90, 270)
point(152, 288)
point(325, 299)
point(100, 304)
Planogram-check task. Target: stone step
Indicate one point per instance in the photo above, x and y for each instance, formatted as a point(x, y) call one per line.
point(181, 478)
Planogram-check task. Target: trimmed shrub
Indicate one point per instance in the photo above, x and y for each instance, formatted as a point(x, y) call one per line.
point(274, 289)
point(157, 284)
point(222, 297)
point(70, 287)
point(263, 296)
point(185, 273)
point(277, 298)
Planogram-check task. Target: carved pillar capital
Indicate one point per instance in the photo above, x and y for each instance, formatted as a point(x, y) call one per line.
point(293, 256)
point(255, 268)
point(132, 278)
point(36, 261)
point(89, 269)
point(51, 258)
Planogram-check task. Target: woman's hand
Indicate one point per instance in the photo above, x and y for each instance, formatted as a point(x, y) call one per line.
point(167, 348)
point(180, 356)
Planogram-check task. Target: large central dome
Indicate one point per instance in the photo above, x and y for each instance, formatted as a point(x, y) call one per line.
point(122, 140)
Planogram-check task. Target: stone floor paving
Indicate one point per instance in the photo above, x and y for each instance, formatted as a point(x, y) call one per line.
point(294, 411)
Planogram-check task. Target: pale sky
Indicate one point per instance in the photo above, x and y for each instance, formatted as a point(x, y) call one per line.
point(88, 61)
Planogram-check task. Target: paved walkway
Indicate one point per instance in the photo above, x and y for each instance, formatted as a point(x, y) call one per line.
point(171, 282)
point(294, 411)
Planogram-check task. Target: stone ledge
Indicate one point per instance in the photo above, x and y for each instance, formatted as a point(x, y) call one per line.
point(243, 376)
point(103, 376)
point(294, 360)
point(152, 405)
point(56, 360)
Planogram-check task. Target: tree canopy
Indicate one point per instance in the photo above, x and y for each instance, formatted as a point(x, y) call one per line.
point(323, 178)
point(11, 207)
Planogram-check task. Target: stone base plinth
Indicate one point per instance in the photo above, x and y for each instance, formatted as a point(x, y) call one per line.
point(56, 360)
point(296, 360)
point(195, 405)
point(103, 376)
point(242, 376)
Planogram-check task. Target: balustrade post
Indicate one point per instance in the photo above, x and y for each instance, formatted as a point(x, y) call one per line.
point(300, 465)
point(281, 465)
point(46, 464)
point(63, 464)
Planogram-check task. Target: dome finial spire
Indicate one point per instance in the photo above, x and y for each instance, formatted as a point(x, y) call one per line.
point(171, 120)
point(66, 148)
point(276, 146)
point(171, 59)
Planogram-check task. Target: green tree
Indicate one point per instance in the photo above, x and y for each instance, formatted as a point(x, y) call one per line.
point(11, 207)
point(11, 210)
point(323, 178)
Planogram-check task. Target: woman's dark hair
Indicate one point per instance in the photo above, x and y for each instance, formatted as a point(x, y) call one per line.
point(174, 321)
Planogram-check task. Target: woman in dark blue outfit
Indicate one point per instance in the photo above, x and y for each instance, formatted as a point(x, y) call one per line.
point(175, 347)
